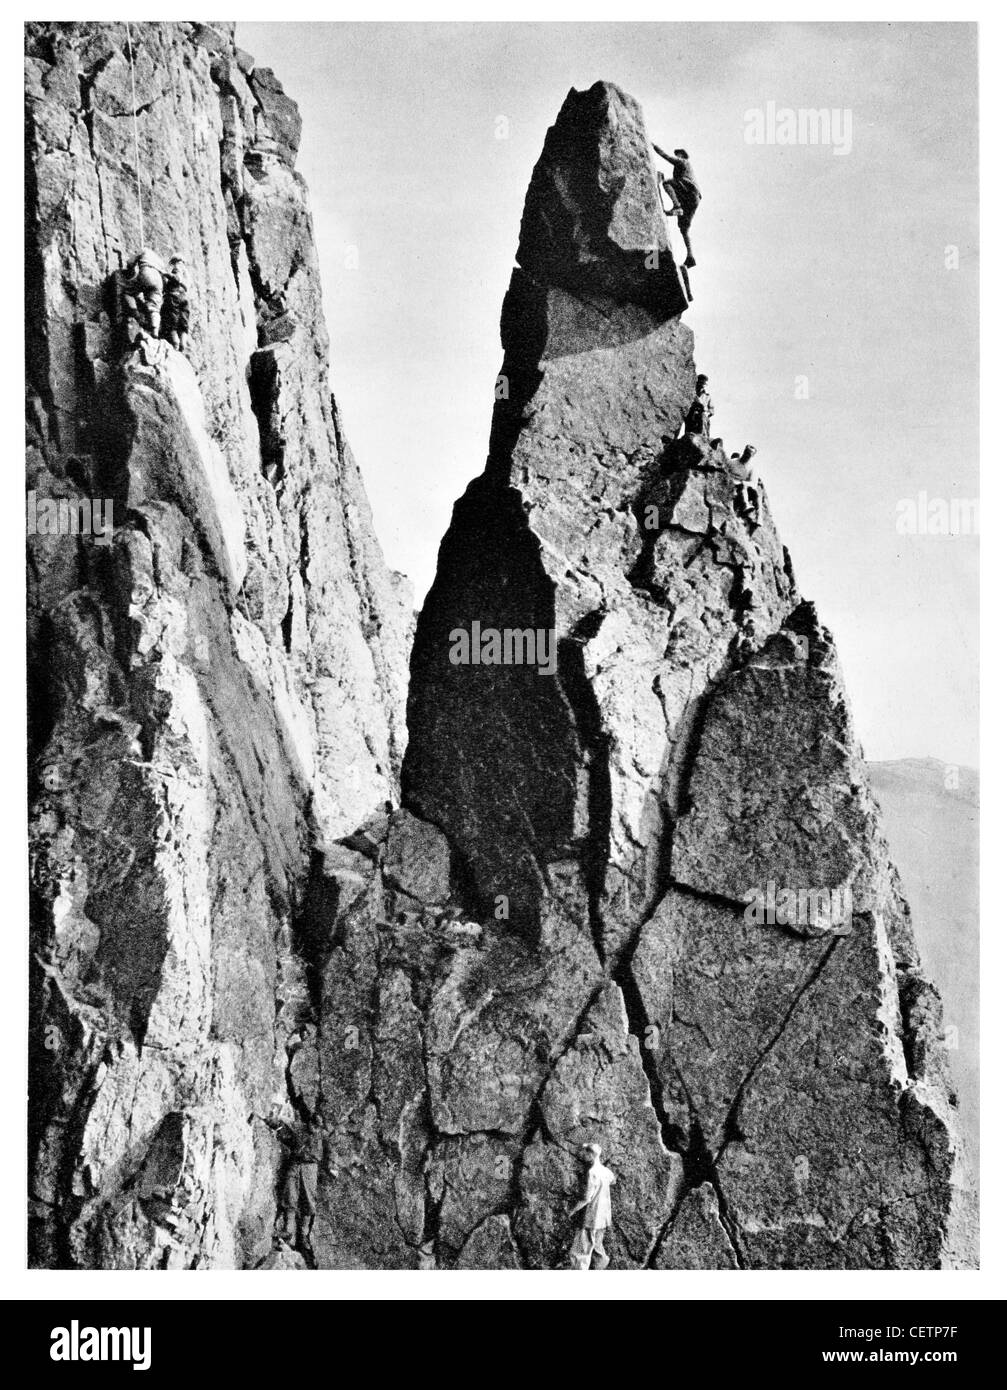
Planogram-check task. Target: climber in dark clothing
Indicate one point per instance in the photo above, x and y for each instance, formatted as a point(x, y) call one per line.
point(683, 190)
point(305, 1145)
point(697, 420)
point(175, 310)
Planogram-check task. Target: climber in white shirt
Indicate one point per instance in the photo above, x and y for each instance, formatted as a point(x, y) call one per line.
point(749, 502)
point(588, 1249)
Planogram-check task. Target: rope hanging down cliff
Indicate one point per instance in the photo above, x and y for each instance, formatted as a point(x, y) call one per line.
point(136, 136)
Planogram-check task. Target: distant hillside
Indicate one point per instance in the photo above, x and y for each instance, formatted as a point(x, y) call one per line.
point(933, 831)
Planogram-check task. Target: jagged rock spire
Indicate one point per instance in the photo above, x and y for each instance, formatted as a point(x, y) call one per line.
point(592, 216)
point(692, 748)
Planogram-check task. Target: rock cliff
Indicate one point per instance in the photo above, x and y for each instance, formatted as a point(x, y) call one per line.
point(770, 1093)
point(623, 721)
point(218, 690)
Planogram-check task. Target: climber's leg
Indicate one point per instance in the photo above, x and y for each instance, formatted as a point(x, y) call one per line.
point(599, 1255)
point(685, 226)
point(580, 1250)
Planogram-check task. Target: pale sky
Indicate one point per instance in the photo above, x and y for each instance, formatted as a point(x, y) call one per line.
point(811, 264)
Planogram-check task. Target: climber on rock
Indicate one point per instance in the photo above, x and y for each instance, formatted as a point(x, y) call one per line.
point(747, 488)
point(299, 1193)
point(141, 295)
point(588, 1248)
point(683, 190)
point(697, 419)
point(175, 315)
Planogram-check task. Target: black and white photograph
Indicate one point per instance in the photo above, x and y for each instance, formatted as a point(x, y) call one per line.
point(502, 670)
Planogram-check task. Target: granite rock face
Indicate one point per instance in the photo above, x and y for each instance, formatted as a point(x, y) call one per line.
point(459, 1067)
point(623, 722)
point(216, 690)
point(593, 220)
point(688, 762)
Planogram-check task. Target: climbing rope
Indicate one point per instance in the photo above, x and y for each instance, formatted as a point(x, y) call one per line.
point(136, 136)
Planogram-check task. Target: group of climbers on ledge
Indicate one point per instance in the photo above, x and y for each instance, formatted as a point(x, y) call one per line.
point(152, 300)
point(697, 422)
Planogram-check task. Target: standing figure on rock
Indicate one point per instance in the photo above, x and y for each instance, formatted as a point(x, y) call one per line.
point(683, 190)
point(141, 295)
point(298, 1204)
point(175, 316)
point(588, 1248)
point(699, 414)
point(749, 504)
